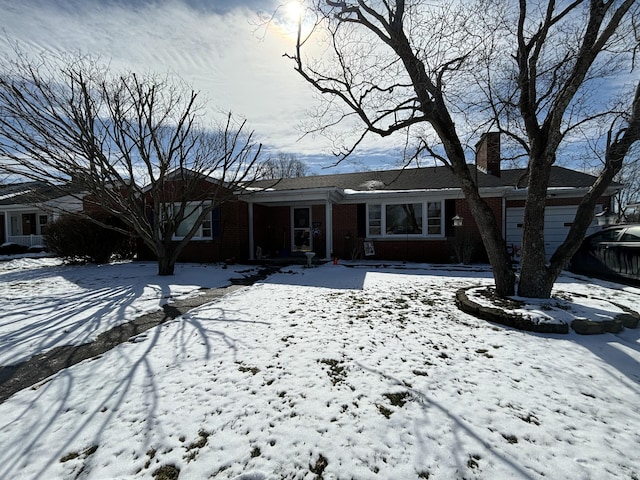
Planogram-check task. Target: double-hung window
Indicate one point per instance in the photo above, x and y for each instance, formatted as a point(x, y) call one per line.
point(417, 219)
point(192, 211)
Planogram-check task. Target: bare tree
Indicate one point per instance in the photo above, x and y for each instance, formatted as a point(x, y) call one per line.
point(137, 146)
point(440, 72)
point(629, 177)
point(283, 165)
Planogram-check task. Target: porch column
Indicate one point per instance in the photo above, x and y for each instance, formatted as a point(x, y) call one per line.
point(7, 224)
point(328, 209)
point(251, 241)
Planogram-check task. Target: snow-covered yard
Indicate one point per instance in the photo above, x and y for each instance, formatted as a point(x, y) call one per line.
point(336, 372)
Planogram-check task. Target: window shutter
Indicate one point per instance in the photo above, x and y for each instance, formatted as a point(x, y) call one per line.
point(216, 224)
point(362, 220)
point(449, 213)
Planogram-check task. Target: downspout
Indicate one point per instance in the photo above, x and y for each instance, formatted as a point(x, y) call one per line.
point(328, 211)
point(6, 226)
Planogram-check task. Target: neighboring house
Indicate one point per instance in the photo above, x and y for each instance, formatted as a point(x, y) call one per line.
point(403, 214)
point(27, 208)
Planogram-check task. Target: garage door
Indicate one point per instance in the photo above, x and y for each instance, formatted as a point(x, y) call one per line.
point(557, 221)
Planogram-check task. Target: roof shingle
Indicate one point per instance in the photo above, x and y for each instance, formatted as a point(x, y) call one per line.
point(427, 178)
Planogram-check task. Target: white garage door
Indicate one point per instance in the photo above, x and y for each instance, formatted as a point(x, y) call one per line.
point(557, 221)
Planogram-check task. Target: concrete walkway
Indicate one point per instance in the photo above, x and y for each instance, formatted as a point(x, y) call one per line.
point(14, 378)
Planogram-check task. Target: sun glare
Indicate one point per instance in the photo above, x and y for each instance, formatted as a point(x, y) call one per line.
point(290, 15)
point(293, 10)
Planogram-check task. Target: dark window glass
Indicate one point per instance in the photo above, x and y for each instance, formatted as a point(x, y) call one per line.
point(404, 219)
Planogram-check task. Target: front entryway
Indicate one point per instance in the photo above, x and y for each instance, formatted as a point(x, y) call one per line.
point(301, 229)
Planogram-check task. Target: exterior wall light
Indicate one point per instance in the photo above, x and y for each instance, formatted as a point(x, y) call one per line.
point(457, 221)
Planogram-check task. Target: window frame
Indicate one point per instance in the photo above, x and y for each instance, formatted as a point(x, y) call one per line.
point(380, 221)
point(206, 224)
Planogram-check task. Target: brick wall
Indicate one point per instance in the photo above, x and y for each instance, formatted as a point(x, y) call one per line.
point(231, 244)
point(345, 230)
point(346, 236)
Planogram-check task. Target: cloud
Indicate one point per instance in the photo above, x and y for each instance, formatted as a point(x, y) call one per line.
point(216, 46)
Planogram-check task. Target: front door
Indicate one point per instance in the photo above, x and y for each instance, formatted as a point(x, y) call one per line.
point(301, 229)
point(29, 224)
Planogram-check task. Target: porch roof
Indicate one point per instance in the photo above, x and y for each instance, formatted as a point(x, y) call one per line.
point(30, 193)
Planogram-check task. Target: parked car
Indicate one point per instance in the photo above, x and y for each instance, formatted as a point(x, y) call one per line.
point(613, 252)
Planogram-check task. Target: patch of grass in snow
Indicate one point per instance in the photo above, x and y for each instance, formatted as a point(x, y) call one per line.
point(69, 456)
point(472, 463)
point(401, 303)
point(85, 453)
point(319, 466)
point(485, 352)
point(194, 447)
point(166, 472)
point(529, 419)
point(253, 370)
point(397, 399)
point(384, 410)
point(151, 453)
point(337, 371)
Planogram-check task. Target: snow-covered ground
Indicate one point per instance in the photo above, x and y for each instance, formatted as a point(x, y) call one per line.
point(336, 372)
point(46, 304)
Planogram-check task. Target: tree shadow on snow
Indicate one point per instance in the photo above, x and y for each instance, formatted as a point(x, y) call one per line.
point(353, 275)
point(87, 401)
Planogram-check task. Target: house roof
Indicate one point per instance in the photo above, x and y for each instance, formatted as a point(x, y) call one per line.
point(28, 193)
point(560, 177)
point(426, 178)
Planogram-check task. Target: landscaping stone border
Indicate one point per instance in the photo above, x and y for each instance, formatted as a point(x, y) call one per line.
point(498, 315)
point(628, 319)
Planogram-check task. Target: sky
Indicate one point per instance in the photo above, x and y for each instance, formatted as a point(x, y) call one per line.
point(362, 371)
point(217, 46)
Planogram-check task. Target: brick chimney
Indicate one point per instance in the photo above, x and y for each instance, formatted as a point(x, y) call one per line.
point(488, 153)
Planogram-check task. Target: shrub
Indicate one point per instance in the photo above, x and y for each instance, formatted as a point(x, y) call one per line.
point(12, 249)
point(80, 239)
point(468, 248)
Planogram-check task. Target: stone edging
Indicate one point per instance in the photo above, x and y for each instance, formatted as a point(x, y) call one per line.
point(628, 319)
point(497, 315)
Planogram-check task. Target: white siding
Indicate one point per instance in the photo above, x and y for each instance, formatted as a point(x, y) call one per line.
point(557, 221)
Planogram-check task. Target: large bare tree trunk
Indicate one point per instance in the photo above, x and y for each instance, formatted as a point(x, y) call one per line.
point(526, 69)
point(166, 265)
point(490, 232)
point(535, 278)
